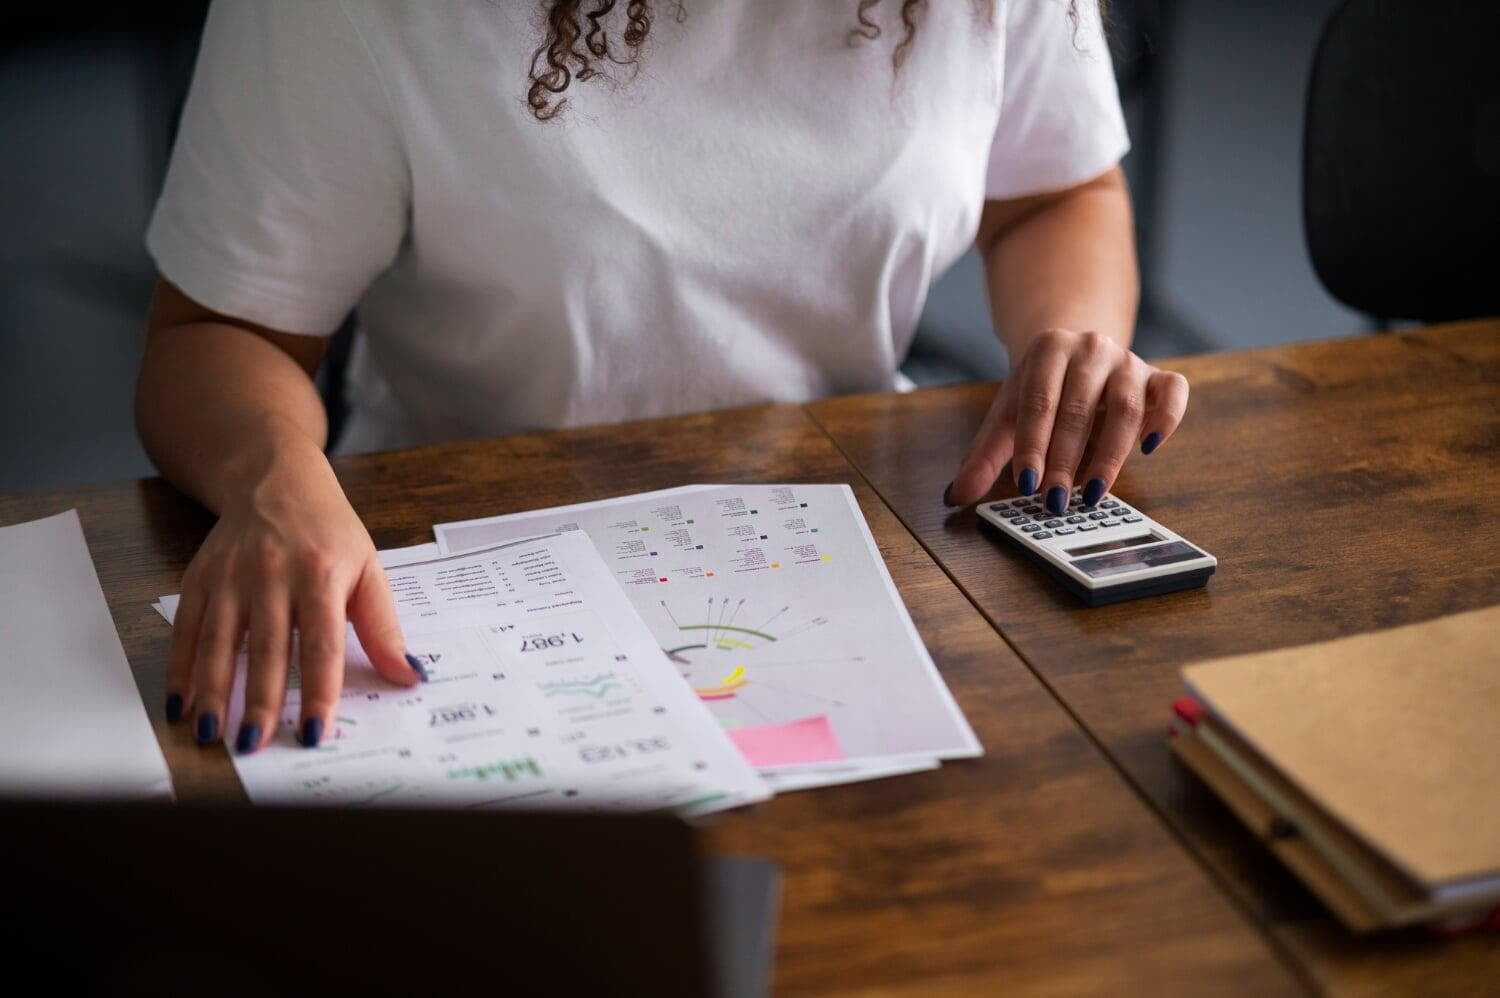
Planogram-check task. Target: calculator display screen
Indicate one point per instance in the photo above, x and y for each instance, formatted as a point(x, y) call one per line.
point(1129, 542)
point(1132, 559)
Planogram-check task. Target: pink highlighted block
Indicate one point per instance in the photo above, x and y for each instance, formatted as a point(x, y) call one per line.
point(809, 740)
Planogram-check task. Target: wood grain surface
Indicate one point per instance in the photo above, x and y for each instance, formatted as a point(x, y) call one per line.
point(1344, 486)
point(1034, 869)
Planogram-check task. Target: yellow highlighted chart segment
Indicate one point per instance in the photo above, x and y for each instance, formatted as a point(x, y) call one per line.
point(727, 687)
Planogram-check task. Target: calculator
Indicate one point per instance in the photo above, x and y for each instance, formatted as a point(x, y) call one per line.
point(1102, 553)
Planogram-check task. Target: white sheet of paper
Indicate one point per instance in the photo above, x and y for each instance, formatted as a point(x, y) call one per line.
point(545, 690)
point(777, 608)
point(71, 720)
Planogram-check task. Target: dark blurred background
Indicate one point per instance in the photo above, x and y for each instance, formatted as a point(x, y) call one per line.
point(1213, 90)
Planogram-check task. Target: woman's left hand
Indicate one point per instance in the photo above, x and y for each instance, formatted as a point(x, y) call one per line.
point(1072, 409)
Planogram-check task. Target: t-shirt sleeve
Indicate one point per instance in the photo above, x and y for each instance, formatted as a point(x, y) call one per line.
point(1060, 120)
point(288, 189)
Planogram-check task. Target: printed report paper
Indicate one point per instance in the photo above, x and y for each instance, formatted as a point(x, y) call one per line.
point(776, 608)
point(545, 690)
point(71, 720)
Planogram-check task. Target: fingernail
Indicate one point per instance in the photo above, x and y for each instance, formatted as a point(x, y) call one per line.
point(1150, 443)
point(1027, 481)
point(948, 495)
point(1057, 499)
point(416, 666)
point(174, 708)
point(249, 738)
point(312, 732)
point(1093, 492)
point(208, 727)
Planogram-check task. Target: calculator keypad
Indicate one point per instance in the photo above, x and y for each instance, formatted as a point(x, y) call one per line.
point(1027, 516)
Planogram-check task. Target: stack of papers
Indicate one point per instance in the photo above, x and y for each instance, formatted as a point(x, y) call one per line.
point(1367, 763)
point(776, 608)
point(71, 722)
point(693, 649)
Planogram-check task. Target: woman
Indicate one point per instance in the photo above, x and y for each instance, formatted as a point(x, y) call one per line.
point(583, 211)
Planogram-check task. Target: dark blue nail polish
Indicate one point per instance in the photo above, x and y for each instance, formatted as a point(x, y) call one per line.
point(312, 732)
point(1027, 481)
point(208, 727)
point(1150, 443)
point(1093, 492)
point(948, 495)
point(416, 666)
point(1057, 499)
point(249, 738)
point(174, 708)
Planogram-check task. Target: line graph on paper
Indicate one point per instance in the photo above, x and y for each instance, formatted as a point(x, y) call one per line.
point(756, 664)
point(595, 687)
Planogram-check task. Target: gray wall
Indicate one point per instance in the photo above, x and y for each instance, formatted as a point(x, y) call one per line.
point(1231, 258)
point(77, 169)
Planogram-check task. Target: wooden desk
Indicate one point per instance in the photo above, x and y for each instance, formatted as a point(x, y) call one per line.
point(1344, 486)
point(1033, 869)
point(1036, 868)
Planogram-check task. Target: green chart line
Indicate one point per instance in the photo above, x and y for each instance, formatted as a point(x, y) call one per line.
point(726, 627)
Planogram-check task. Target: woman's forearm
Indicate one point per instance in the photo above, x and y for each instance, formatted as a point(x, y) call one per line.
point(1062, 261)
point(220, 407)
point(1061, 274)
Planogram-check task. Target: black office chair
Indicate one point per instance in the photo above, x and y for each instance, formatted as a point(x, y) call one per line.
point(1401, 158)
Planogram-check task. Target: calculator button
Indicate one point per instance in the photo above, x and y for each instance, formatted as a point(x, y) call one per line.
point(1052, 523)
point(1031, 527)
point(1016, 521)
point(1088, 509)
point(1088, 526)
point(1109, 523)
point(1134, 518)
point(1119, 511)
point(1033, 510)
point(1098, 514)
point(1109, 504)
point(1040, 535)
point(1075, 518)
point(1063, 531)
point(1020, 503)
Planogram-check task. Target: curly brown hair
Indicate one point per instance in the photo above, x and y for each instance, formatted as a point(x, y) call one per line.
point(570, 51)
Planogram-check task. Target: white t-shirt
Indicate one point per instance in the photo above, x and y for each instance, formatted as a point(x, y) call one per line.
point(754, 214)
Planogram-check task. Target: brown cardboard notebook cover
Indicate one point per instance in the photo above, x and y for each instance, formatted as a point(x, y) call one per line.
point(1396, 734)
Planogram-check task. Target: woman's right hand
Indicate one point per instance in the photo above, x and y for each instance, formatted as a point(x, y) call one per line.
point(288, 555)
